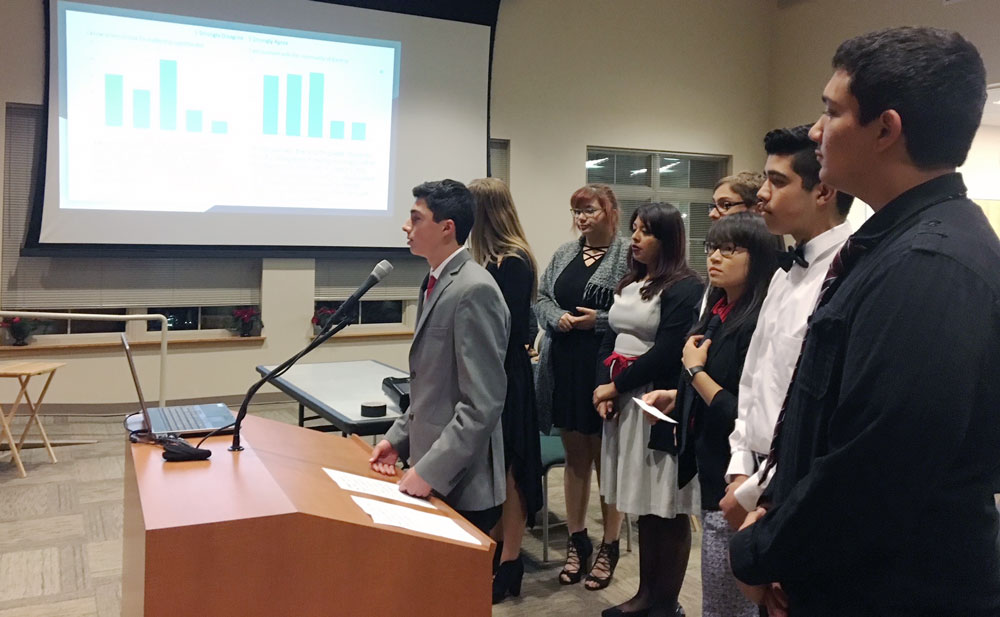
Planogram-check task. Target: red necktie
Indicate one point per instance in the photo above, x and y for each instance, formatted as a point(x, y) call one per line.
point(431, 282)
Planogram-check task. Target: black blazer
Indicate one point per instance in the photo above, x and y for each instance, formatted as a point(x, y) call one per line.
point(704, 433)
point(661, 365)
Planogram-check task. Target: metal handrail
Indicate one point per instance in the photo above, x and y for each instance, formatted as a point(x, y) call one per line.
point(99, 317)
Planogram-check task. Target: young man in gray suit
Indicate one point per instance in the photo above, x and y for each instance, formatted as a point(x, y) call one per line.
point(451, 432)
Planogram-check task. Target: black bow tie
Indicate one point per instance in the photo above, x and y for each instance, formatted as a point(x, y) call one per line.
point(792, 256)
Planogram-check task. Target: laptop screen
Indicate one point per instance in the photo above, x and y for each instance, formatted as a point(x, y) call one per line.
point(135, 378)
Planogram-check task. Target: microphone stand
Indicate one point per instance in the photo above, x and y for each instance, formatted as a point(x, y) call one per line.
point(279, 370)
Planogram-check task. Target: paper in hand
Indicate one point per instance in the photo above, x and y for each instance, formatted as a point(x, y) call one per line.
point(653, 411)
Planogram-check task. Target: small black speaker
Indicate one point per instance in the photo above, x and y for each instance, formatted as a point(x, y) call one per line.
point(398, 391)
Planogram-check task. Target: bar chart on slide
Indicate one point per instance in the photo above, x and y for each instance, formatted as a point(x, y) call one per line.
point(276, 89)
point(141, 101)
point(293, 84)
point(273, 119)
point(273, 87)
point(194, 121)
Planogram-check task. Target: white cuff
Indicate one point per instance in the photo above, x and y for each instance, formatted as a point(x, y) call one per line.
point(749, 492)
point(741, 463)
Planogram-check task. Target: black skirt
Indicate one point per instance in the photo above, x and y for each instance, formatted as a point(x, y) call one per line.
point(521, 448)
point(574, 372)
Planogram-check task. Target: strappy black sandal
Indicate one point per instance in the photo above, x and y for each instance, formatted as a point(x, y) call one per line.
point(579, 548)
point(606, 561)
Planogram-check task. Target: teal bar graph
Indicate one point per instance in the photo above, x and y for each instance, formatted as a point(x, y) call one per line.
point(168, 94)
point(193, 121)
point(315, 104)
point(140, 109)
point(114, 92)
point(219, 127)
point(336, 129)
point(293, 110)
point(270, 104)
point(358, 131)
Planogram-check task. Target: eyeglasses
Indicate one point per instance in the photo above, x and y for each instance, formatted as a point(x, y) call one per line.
point(726, 249)
point(587, 213)
point(724, 206)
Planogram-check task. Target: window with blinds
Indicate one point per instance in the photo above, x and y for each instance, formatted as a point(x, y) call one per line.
point(685, 180)
point(37, 283)
point(500, 159)
point(337, 279)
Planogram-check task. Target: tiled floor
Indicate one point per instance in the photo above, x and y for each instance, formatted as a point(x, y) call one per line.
point(61, 529)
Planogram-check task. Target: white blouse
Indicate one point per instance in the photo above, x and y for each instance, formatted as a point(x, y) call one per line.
point(634, 320)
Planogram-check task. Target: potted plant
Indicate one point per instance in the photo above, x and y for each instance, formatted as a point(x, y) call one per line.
point(246, 321)
point(19, 329)
point(321, 317)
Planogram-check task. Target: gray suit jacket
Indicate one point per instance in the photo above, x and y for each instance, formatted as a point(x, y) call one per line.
point(451, 432)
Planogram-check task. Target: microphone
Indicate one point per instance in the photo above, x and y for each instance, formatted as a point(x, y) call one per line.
point(713, 325)
point(332, 327)
point(380, 271)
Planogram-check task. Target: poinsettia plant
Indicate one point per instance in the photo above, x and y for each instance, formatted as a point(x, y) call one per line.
point(246, 320)
point(322, 315)
point(246, 315)
point(20, 329)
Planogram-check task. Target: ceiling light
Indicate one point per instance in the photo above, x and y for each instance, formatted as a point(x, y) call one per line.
point(596, 163)
point(636, 172)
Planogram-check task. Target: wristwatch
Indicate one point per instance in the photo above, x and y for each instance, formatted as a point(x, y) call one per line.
point(694, 370)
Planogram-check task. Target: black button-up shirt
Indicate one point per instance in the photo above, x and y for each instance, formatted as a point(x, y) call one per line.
point(890, 451)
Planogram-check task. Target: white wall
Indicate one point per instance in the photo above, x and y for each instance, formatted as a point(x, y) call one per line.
point(807, 33)
point(982, 169)
point(658, 75)
point(982, 172)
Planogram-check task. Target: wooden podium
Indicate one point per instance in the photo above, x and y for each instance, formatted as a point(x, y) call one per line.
point(266, 532)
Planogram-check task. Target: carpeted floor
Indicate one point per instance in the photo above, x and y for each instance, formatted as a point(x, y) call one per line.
point(61, 530)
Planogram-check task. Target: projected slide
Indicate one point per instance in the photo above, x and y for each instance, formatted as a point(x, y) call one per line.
point(165, 114)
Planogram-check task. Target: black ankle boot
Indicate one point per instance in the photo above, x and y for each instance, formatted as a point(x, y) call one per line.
point(496, 556)
point(508, 579)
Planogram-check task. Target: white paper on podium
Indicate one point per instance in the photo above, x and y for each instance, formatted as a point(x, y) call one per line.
point(398, 516)
point(370, 486)
point(653, 411)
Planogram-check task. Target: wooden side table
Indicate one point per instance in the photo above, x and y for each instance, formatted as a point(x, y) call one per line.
point(24, 371)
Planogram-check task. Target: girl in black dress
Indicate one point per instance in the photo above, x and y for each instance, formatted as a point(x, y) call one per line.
point(574, 295)
point(497, 242)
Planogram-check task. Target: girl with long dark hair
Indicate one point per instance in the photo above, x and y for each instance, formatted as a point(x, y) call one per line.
point(654, 307)
point(741, 257)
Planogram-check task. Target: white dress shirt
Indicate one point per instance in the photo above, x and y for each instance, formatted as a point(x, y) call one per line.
point(436, 272)
point(771, 357)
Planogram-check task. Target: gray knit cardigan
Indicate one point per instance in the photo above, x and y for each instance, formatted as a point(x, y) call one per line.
point(599, 291)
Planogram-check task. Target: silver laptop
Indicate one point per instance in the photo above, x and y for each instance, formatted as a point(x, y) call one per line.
point(179, 419)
